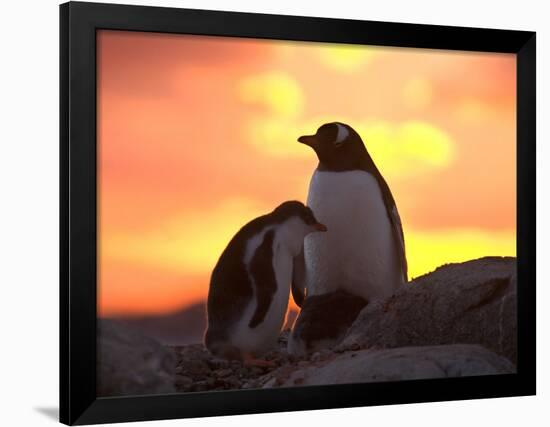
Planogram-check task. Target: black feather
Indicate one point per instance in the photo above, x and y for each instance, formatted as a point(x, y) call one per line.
point(230, 287)
point(299, 278)
point(263, 274)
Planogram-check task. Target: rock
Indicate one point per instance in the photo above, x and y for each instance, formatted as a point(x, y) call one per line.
point(251, 384)
point(217, 363)
point(473, 302)
point(256, 370)
point(271, 383)
point(400, 364)
point(130, 363)
point(297, 377)
point(457, 321)
point(315, 357)
point(183, 383)
point(201, 386)
point(194, 368)
point(232, 382)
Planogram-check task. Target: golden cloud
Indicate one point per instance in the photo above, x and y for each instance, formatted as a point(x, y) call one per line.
point(277, 91)
point(471, 110)
point(278, 136)
point(417, 93)
point(344, 58)
point(190, 244)
point(410, 148)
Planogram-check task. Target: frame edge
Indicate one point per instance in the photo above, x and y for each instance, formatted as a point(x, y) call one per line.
point(64, 354)
point(526, 213)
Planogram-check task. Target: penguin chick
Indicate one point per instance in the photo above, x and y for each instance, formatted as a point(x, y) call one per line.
point(250, 284)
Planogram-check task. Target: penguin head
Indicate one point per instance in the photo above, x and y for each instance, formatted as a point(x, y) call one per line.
point(337, 146)
point(299, 216)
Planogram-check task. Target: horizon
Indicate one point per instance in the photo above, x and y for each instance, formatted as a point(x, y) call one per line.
point(202, 302)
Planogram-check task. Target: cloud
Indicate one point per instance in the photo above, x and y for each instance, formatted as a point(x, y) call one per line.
point(408, 148)
point(474, 111)
point(151, 65)
point(277, 137)
point(344, 58)
point(399, 149)
point(277, 91)
point(189, 244)
point(417, 93)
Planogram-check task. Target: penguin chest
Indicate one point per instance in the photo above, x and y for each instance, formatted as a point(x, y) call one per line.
point(264, 335)
point(358, 252)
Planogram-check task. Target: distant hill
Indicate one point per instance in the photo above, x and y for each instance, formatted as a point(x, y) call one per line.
point(184, 326)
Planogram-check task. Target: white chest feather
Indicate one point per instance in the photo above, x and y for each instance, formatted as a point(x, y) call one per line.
point(358, 251)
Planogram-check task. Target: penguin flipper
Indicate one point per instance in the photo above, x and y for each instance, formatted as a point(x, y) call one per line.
point(263, 275)
point(397, 228)
point(299, 278)
point(398, 232)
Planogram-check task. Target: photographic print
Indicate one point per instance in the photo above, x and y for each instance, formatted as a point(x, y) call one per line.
point(277, 214)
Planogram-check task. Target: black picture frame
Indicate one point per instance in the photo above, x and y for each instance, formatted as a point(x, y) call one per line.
point(78, 206)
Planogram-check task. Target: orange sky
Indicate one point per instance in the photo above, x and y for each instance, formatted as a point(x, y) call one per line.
point(197, 135)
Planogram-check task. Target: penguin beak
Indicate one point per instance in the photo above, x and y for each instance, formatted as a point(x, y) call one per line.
point(310, 140)
point(320, 227)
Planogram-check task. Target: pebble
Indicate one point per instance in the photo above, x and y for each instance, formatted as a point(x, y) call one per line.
point(183, 382)
point(201, 386)
point(218, 363)
point(200, 371)
point(256, 370)
point(315, 357)
point(223, 372)
point(194, 367)
point(251, 384)
point(243, 372)
point(299, 377)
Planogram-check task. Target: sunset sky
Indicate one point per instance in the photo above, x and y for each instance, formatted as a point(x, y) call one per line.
point(197, 136)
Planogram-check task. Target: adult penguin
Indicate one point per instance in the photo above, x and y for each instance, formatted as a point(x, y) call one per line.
point(363, 251)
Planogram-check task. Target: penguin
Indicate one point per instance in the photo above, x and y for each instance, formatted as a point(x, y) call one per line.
point(250, 284)
point(363, 252)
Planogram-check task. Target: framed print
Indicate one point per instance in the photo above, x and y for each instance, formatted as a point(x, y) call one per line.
point(268, 213)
